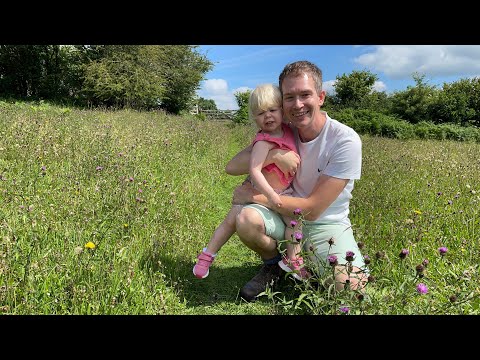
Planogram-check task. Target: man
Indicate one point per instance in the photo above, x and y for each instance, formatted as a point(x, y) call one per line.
point(330, 160)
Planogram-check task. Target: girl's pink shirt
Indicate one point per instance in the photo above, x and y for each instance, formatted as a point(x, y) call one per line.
point(287, 142)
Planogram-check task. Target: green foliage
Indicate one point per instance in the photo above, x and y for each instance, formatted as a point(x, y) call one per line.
point(133, 76)
point(183, 69)
point(416, 103)
point(206, 104)
point(201, 116)
point(378, 124)
point(138, 76)
point(241, 116)
point(352, 89)
point(34, 71)
point(459, 103)
point(124, 79)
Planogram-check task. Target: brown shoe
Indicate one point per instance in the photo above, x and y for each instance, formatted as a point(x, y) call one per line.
point(268, 275)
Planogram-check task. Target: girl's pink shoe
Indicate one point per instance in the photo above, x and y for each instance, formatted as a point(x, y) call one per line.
point(201, 268)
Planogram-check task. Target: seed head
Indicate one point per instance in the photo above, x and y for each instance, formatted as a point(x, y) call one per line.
point(349, 255)
point(403, 254)
point(366, 259)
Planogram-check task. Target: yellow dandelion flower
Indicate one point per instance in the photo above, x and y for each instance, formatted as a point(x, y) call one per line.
point(125, 225)
point(90, 245)
point(418, 212)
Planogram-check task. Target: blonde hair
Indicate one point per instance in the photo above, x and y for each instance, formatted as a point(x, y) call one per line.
point(264, 97)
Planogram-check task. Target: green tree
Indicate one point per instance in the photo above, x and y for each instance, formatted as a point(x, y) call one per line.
point(183, 69)
point(459, 102)
point(145, 76)
point(416, 103)
point(241, 116)
point(33, 71)
point(123, 78)
point(352, 90)
point(206, 104)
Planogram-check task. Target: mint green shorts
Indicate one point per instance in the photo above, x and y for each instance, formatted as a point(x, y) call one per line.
point(316, 234)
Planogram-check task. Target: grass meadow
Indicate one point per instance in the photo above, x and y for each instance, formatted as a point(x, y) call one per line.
point(104, 212)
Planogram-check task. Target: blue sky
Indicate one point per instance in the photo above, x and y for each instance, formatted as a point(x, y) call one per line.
point(242, 67)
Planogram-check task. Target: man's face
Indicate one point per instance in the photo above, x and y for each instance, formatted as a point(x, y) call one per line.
point(301, 102)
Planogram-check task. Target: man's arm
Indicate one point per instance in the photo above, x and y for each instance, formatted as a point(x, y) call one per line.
point(323, 195)
point(239, 164)
point(286, 160)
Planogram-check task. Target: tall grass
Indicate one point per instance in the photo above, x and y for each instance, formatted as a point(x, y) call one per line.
point(104, 213)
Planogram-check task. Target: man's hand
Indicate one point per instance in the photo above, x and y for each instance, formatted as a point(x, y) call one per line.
point(243, 194)
point(286, 160)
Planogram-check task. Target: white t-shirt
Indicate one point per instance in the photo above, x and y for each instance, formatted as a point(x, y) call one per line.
point(337, 152)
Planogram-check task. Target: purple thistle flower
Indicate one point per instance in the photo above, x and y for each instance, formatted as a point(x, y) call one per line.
point(403, 254)
point(297, 211)
point(422, 288)
point(344, 309)
point(349, 255)
point(450, 202)
point(99, 168)
point(44, 168)
point(298, 235)
point(425, 262)
point(293, 223)
point(332, 260)
point(442, 250)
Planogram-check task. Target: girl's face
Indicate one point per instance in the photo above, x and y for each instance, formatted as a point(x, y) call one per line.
point(269, 120)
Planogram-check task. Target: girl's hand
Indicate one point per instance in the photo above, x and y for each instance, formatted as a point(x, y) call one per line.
point(274, 201)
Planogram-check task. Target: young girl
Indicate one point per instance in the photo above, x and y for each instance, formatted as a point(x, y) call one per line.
point(265, 107)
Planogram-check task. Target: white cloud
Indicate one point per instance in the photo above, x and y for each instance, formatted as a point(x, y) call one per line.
point(401, 61)
point(217, 90)
point(379, 86)
point(328, 86)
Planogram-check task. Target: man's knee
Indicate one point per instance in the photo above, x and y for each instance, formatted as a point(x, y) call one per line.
point(249, 221)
